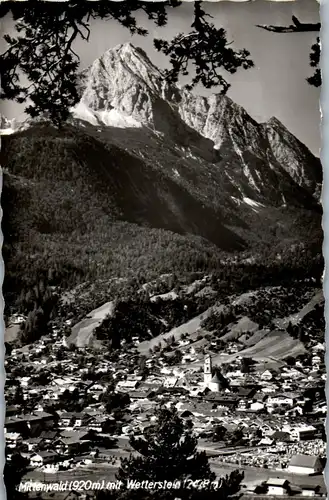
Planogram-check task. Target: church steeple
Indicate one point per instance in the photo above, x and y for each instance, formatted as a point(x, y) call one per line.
point(207, 369)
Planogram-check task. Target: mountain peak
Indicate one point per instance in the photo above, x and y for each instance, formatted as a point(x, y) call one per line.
point(274, 122)
point(123, 78)
point(7, 126)
point(128, 58)
point(296, 159)
point(126, 50)
point(124, 88)
point(129, 48)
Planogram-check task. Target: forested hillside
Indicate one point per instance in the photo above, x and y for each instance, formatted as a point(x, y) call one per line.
point(87, 209)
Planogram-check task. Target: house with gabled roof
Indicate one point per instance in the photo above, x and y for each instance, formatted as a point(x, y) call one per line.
point(44, 457)
point(72, 442)
point(66, 419)
point(281, 437)
point(310, 490)
point(266, 376)
point(33, 423)
point(305, 464)
point(277, 486)
point(33, 443)
point(303, 432)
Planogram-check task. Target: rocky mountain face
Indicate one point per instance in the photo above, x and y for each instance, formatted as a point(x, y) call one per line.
point(6, 126)
point(294, 157)
point(147, 177)
point(4, 122)
point(124, 88)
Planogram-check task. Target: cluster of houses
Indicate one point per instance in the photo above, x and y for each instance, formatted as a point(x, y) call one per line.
point(281, 487)
point(268, 410)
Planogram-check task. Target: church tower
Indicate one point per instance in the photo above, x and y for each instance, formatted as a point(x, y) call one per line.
point(207, 370)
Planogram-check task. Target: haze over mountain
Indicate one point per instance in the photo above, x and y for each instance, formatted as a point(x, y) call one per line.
point(140, 156)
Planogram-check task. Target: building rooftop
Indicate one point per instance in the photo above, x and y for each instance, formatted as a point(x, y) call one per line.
point(46, 454)
point(216, 380)
point(313, 487)
point(303, 461)
point(276, 481)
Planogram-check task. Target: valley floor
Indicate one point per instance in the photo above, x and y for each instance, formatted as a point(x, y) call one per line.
point(268, 407)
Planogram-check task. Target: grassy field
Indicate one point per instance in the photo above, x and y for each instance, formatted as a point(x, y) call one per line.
point(244, 324)
point(294, 319)
point(190, 327)
point(277, 344)
point(11, 333)
point(82, 332)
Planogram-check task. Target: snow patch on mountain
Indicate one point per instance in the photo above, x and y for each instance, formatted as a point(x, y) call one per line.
point(252, 203)
point(247, 173)
point(114, 118)
point(7, 131)
point(109, 118)
point(284, 202)
point(82, 112)
point(125, 79)
point(234, 183)
point(262, 161)
point(8, 127)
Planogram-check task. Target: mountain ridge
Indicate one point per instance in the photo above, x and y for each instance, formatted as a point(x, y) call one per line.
point(111, 194)
point(150, 101)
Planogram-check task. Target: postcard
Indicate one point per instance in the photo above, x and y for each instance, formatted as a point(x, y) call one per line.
point(164, 328)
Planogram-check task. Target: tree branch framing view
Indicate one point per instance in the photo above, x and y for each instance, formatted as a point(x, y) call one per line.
point(42, 52)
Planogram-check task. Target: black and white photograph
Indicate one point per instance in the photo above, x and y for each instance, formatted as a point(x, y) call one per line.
point(164, 329)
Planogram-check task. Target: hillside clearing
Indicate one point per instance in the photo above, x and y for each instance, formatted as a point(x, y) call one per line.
point(11, 333)
point(82, 332)
point(274, 347)
point(277, 345)
point(190, 327)
point(243, 325)
point(294, 319)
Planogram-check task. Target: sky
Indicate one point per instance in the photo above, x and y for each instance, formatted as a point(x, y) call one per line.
point(275, 87)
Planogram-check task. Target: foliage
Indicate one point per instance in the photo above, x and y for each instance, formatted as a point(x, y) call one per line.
point(219, 433)
point(315, 55)
point(175, 359)
point(246, 364)
point(209, 50)
point(18, 398)
point(218, 321)
point(78, 226)
point(43, 50)
point(115, 401)
point(138, 316)
point(267, 304)
point(13, 474)
point(39, 302)
point(168, 452)
point(310, 327)
point(230, 438)
point(66, 231)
